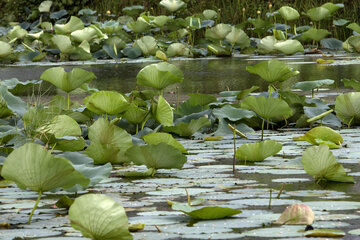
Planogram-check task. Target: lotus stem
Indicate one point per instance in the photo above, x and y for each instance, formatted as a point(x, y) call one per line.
point(68, 101)
point(267, 124)
point(36, 204)
point(262, 130)
point(188, 197)
point(234, 159)
point(295, 29)
point(177, 99)
point(286, 36)
point(270, 199)
point(281, 190)
point(312, 93)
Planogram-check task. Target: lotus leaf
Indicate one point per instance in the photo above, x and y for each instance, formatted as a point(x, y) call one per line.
point(332, 7)
point(63, 43)
point(11, 102)
point(347, 108)
point(209, 14)
point(99, 217)
point(219, 50)
point(353, 83)
point(319, 162)
point(108, 142)
point(354, 26)
point(110, 27)
point(178, 49)
point(159, 75)
point(242, 94)
point(255, 152)
point(17, 33)
point(5, 49)
point(238, 37)
point(272, 71)
point(288, 13)
point(289, 47)
point(193, 23)
point(138, 26)
point(325, 233)
point(67, 81)
point(58, 14)
point(157, 138)
point(341, 22)
point(164, 113)
point(87, 34)
point(298, 213)
point(232, 113)
point(74, 24)
point(35, 35)
point(201, 99)
point(266, 45)
point(133, 10)
point(160, 21)
point(115, 41)
point(45, 6)
point(205, 213)
point(15, 86)
point(315, 34)
point(106, 102)
point(331, 43)
point(132, 52)
point(318, 13)
point(322, 135)
point(184, 129)
point(160, 156)
point(172, 5)
point(310, 85)
point(354, 42)
point(261, 26)
point(219, 32)
point(135, 114)
point(147, 44)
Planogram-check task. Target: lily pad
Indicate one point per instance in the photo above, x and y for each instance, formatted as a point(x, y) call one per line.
point(257, 151)
point(329, 233)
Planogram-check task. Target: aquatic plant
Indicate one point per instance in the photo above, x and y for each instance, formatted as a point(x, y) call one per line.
point(298, 213)
point(322, 135)
point(256, 152)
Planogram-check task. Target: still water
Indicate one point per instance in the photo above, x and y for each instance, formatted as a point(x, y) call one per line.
point(203, 75)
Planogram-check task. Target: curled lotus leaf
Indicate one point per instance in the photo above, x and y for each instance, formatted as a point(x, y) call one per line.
point(172, 5)
point(297, 214)
point(289, 13)
point(322, 135)
point(5, 49)
point(74, 24)
point(106, 102)
point(347, 108)
point(318, 13)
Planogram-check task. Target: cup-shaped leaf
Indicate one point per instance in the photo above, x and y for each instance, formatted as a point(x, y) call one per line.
point(353, 83)
point(315, 34)
point(74, 24)
point(298, 213)
point(135, 114)
point(322, 135)
point(310, 85)
point(347, 108)
point(108, 142)
point(99, 217)
point(31, 166)
point(164, 113)
point(185, 129)
point(267, 108)
point(45, 6)
point(332, 7)
point(147, 44)
point(255, 152)
point(160, 156)
point(138, 26)
point(87, 34)
point(172, 5)
point(354, 42)
point(159, 75)
point(17, 32)
point(266, 45)
point(5, 49)
point(67, 81)
point(354, 26)
point(209, 14)
point(320, 163)
point(157, 138)
point(106, 102)
point(63, 43)
point(289, 46)
point(289, 13)
point(219, 32)
point(178, 49)
point(201, 99)
point(318, 13)
point(272, 71)
point(237, 37)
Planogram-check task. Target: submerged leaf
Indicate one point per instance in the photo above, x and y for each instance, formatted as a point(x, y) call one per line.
point(254, 152)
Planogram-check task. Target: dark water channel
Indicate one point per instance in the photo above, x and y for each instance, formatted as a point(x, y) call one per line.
point(201, 75)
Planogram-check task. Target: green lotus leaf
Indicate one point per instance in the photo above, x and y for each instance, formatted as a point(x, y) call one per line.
point(237, 37)
point(205, 213)
point(325, 233)
point(172, 5)
point(5, 49)
point(159, 75)
point(135, 114)
point(17, 32)
point(108, 143)
point(310, 85)
point(132, 52)
point(178, 49)
point(74, 24)
point(147, 45)
point(63, 43)
point(242, 94)
point(184, 129)
point(332, 7)
point(87, 34)
point(160, 156)
point(110, 27)
point(272, 71)
point(289, 47)
point(289, 13)
point(354, 26)
point(219, 50)
point(232, 113)
point(61, 126)
point(320, 163)
point(16, 87)
point(322, 135)
point(354, 42)
point(11, 102)
point(256, 152)
point(315, 34)
point(346, 45)
point(201, 99)
point(99, 217)
point(160, 21)
point(164, 113)
point(67, 81)
point(138, 26)
point(193, 22)
point(331, 43)
point(219, 32)
point(115, 41)
point(341, 22)
point(267, 108)
point(266, 45)
point(133, 10)
point(31, 166)
point(347, 108)
point(260, 26)
point(4, 110)
point(106, 102)
point(209, 14)
point(45, 6)
point(318, 13)
point(297, 214)
point(353, 83)
point(157, 138)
